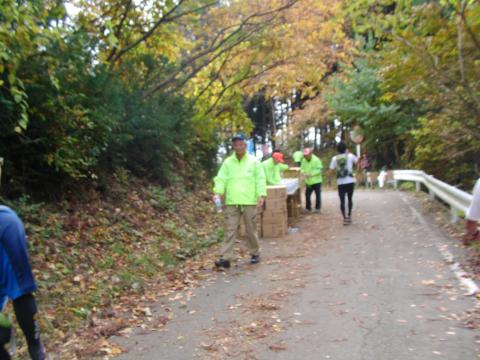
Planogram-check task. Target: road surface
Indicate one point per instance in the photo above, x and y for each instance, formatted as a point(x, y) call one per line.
point(379, 289)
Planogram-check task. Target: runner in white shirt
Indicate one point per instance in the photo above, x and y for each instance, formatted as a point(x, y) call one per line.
point(344, 166)
point(473, 217)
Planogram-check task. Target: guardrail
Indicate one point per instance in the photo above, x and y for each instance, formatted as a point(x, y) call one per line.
point(457, 199)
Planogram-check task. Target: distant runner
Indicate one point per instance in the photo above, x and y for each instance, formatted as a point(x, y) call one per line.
point(344, 164)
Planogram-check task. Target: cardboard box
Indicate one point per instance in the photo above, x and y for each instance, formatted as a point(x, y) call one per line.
point(274, 230)
point(281, 224)
point(275, 204)
point(275, 221)
point(293, 172)
point(274, 215)
point(293, 207)
point(277, 190)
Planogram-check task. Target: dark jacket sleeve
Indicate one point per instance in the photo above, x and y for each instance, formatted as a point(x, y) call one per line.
point(12, 238)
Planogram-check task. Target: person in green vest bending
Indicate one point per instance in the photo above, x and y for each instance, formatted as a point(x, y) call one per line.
point(241, 184)
point(273, 168)
point(297, 157)
point(311, 167)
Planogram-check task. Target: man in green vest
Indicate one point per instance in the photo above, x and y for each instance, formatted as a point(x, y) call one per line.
point(311, 167)
point(273, 168)
point(297, 157)
point(241, 184)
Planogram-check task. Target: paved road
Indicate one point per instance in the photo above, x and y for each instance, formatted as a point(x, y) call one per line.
point(376, 290)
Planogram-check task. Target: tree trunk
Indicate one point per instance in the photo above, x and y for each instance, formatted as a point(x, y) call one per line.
point(273, 127)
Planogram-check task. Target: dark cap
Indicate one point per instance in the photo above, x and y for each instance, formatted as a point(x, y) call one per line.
point(239, 137)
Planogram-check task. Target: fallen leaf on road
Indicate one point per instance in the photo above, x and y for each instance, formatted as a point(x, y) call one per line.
point(209, 347)
point(278, 347)
point(308, 322)
point(110, 349)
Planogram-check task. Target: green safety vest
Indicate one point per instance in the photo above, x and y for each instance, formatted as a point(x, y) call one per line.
point(273, 171)
point(241, 182)
point(297, 156)
point(313, 168)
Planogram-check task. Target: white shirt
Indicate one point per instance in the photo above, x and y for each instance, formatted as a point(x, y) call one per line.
point(473, 212)
point(351, 161)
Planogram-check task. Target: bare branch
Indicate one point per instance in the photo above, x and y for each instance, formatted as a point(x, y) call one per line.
point(119, 28)
point(213, 79)
point(196, 69)
point(214, 46)
point(217, 43)
point(166, 18)
point(470, 32)
point(236, 82)
point(103, 15)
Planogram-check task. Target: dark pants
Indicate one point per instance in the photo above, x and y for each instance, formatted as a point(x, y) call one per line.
point(343, 190)
point(318, 195)
point(25, 309)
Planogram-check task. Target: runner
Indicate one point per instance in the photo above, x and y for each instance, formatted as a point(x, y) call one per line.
point(344, 164)
point(17, 284)
point(472, 218)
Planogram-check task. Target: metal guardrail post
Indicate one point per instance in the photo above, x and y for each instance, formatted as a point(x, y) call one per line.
point(417, 186)
point(454, 215)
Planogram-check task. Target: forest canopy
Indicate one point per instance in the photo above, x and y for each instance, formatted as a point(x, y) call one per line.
point(88, 87)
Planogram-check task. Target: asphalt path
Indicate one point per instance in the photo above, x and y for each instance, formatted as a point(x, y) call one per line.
point(382, 288)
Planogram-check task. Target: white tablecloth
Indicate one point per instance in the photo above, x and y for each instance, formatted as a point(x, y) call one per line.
point(292, 185)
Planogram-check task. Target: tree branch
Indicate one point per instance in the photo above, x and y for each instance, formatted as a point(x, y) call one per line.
point(236, 82)
point(214, 47)
point(167, 17)
point(470, 32)
point(196, 69)
point(218, 42)
point(213, 79)
point(119, 28)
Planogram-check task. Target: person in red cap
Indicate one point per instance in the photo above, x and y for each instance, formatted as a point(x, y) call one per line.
point(312, 167)
point(273, 168)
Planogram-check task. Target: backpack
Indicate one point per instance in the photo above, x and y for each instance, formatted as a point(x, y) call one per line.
point(342, 167)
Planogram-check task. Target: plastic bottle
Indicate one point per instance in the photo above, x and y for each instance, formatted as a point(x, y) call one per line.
point(218, 203)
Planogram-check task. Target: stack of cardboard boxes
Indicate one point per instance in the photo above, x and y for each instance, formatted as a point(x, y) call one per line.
point(294, 203)
point(275, 216)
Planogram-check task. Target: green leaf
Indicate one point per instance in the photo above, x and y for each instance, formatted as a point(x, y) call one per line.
point(23, 121)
